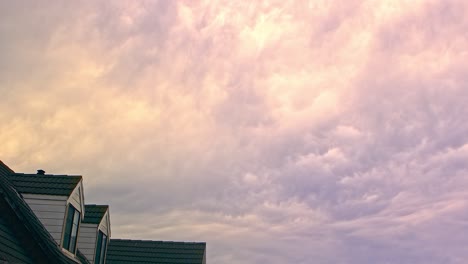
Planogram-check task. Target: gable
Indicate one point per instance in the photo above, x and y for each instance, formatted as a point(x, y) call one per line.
point(104, 225)
point(76, 198)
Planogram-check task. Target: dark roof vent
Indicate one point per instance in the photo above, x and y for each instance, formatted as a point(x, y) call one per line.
point(40, 172)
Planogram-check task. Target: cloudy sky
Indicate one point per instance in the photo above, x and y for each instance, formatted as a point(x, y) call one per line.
point(276, 131)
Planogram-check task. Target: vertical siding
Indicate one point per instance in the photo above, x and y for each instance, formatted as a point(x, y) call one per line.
point(87, 240)
point(50, 210)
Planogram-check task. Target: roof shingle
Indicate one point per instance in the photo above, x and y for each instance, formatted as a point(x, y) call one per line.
point(144, 251)
point(11, 248)
point(94, 213)
point(44, 184)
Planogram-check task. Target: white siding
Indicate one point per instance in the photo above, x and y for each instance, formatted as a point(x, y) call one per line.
point(104, 226)
point(44, 197)
point(50, 210)
point(87, 240)
point(76, 198)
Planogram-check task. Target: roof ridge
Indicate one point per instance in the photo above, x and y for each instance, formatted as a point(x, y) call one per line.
point(45, 175)
point(159, 241)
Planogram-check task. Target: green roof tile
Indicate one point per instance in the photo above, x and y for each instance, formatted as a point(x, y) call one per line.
point(144, 251)
point(11, 249)
point(4, 169)
point(44, 184)
point(94, 213)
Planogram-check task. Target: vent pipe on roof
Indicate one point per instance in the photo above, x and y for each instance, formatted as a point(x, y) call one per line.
point(40, 172)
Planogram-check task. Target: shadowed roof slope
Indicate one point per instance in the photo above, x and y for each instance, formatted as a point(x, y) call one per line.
point(12, 249)
point(94, 213)
point(140, 251)
point(4, 169)
point(44, 184)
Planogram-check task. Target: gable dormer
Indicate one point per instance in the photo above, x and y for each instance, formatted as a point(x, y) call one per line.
point(57, 201)
point(95, 233)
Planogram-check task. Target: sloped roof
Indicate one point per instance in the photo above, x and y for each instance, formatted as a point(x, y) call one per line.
point(38, 236)
point(11, 248)
point(44, 184)
point(81, 257)
point(122, 251)
point(94, 213)
point(4, 169)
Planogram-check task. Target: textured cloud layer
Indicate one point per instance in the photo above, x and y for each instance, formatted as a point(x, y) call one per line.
point(277, 131)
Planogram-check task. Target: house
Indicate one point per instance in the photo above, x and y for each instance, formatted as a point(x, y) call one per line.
point(44, 219)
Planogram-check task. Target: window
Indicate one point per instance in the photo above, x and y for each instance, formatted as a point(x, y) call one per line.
point(101, 245)
point(71, 229)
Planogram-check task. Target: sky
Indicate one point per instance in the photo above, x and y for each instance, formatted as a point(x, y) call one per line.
point(327, 132)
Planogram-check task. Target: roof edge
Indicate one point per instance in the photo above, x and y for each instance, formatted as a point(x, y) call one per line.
point(2, 164)
point(152, 241)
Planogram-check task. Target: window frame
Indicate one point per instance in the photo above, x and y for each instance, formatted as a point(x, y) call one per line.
point(71, 229)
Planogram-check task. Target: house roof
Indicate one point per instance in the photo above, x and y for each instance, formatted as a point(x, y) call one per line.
point(81, 257)
point(11, 248)
point(44, 184)
point(144, 251)
point(38, 236)
point(94, 213)
point(4, 169)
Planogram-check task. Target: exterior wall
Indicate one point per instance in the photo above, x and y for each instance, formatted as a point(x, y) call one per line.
point(87, 240)
point(50, 210)
point(104, 226)
point(77, 200)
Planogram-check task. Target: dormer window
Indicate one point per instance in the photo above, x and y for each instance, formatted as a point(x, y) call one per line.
point(101, 248)
point(50, 197)
point(94, 233)
point(71, 229)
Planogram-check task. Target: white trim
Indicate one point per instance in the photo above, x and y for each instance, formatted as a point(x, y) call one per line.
point(79, 205)
point(104, 225)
